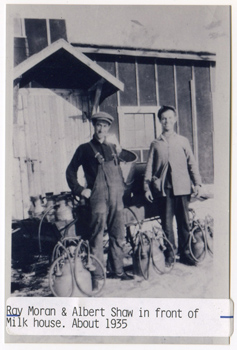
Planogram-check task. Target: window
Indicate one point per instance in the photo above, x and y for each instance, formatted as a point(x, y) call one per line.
point(138, 127)
point(42, 32)
point(36, 32)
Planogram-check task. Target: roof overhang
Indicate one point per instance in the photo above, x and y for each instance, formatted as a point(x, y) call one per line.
point(144, 52)
point(61, 66)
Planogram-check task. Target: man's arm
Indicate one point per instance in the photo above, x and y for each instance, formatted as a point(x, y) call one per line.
point(71, 172)
point(148, 175)
point(193, 168)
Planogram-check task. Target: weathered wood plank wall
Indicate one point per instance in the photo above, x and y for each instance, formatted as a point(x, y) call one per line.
point(48, 126)
point(48, 129)
point(184, 84)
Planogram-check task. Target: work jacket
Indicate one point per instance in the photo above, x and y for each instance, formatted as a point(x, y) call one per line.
point(85, 157)
point(179, 156)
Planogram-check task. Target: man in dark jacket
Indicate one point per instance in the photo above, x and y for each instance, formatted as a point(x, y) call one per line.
point(170, 169)
point(104, 191)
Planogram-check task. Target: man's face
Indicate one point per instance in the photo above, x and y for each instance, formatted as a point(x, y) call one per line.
point(168, 119)
point(101, 129)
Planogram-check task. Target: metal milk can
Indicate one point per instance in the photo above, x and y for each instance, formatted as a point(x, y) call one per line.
point(64, 216)
point(36, 208)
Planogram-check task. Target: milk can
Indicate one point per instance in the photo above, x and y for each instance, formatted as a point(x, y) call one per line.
point(71, 278)
point(50, 207)
point(36, 208)
point(63, 279)
point(141, 257)
point(198, 244)
point(64, 214)
point(83, 276)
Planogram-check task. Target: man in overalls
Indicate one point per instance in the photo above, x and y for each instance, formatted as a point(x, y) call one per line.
point(105, 189)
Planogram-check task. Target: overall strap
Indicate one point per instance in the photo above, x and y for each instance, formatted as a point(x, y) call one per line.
point(100, 160)
point(98, 156)
point(114, 154)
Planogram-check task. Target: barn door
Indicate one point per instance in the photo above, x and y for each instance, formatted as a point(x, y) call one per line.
point(48, 129)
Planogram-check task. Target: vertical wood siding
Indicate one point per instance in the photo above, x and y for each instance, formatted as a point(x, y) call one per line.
point(150, 82)
point(204, 123)
point(48, 126)
point(166, 85)
point(127, 74)
point(184, 75)
point(48, 130)
point(147, 87)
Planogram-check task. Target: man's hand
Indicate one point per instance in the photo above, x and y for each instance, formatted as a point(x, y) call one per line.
point(149, 196)
point(86, 193)
point(197, 191)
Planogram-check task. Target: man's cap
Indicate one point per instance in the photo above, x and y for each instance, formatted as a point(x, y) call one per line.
point(102, 116)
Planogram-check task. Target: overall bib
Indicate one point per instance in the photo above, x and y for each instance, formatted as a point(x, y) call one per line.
point(106, 203)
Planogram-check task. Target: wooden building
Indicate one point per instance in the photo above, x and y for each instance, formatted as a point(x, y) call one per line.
point(56, 91)
point(59, 85)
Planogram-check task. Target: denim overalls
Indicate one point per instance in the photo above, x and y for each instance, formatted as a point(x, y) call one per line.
point(106, 204)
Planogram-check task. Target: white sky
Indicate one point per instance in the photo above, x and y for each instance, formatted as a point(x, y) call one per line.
point(196, 28)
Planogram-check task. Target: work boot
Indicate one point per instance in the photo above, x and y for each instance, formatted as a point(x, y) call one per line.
point(89, 266)
point(123, 276)
point(169, 261)
point(187, 260)
point(97, 285)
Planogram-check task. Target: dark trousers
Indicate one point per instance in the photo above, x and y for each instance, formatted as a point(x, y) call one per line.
point(175, 206)
point(107, 211)
point(115, 226)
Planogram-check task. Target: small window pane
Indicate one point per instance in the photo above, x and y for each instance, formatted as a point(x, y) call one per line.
point(57, 29)
point(129, 120)
point(139, 121)
point(137, 131)
point(145, 155)
point(149, 129)
point(36, 33)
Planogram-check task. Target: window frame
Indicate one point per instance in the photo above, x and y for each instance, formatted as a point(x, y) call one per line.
point(122, 110)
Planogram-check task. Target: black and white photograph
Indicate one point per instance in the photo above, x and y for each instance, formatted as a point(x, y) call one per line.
point(118, 154)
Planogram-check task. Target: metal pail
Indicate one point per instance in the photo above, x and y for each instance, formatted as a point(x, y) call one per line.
point(127, 163)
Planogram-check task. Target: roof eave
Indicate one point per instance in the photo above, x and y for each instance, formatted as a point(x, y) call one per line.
point(143, 52)
point(35, 59)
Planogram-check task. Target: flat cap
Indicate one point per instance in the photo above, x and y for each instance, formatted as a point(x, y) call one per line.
point(102, 116)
